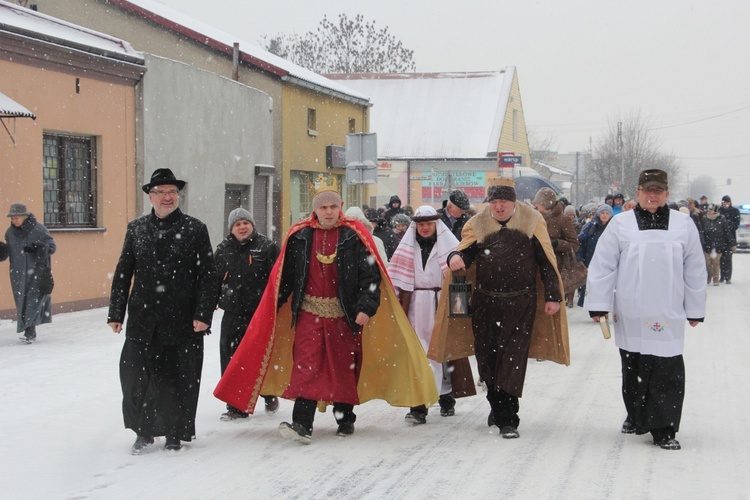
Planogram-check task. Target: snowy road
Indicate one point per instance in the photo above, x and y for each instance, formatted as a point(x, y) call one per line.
point(62, 433)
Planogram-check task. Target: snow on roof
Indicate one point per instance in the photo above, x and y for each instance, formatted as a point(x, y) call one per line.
point(436, 115)
point(176, 21)
point(11, 109)
point(26, 22)
point(554, 169)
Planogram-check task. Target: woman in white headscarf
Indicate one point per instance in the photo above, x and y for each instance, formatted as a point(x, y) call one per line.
point(417, 269)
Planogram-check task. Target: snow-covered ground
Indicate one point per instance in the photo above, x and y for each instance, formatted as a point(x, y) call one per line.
point(63, 437)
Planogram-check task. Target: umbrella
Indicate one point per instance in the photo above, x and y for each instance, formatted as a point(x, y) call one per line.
point(527, 187)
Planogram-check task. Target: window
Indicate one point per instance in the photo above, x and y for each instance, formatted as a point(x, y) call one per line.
point(352, 126)
point(69, 181)
point(312, 122)
point(515, 124)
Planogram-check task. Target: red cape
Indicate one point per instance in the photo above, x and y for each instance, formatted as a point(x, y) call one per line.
point(394, 365)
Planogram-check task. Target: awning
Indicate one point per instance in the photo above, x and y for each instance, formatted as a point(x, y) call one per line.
point(10, 109)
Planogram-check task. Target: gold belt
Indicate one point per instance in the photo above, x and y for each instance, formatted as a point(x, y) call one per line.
point(325, 307)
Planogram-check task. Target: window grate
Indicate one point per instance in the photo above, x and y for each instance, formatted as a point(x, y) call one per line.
point(69, 181)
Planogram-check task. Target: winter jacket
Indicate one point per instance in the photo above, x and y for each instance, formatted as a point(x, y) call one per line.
point(29, 249)
point(561, 233)
point(393, 211)
point(455, 227)
point(388, 236)
point(358, 274)
point(242, 269)
point(732, 215)
point(171, 267)
point(588, 238)
point(718, 234)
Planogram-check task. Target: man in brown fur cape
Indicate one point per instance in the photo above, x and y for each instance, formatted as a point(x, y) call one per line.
point(516, 301)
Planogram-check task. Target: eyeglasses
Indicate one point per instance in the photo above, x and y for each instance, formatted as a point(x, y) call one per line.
point(162, 193)
point(652, 190)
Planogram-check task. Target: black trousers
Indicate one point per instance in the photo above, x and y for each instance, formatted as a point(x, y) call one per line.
point(304, 413)
point(504, 407)
point(653, 390)
point(726, 266)
point(160, 386)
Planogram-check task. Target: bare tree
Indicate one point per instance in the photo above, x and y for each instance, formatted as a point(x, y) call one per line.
point(349, 46)
point(628, 146)
point(541, 148)
point(703, 186)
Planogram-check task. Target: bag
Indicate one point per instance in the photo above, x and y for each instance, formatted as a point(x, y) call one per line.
point(46, 281)
point(573, 273)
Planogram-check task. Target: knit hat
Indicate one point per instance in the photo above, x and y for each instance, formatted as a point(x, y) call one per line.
point(240, 214)
point(570, 210)
point(712, 208)
point(459, 199)
point(726, 198)
point(545, 197)
point(17, 209)
point(400, 219)
point(501, 188)
point(356, 213)
point(603, 208)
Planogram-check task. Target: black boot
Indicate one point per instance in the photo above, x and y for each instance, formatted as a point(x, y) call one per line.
point(417, 415)
point(447, 405)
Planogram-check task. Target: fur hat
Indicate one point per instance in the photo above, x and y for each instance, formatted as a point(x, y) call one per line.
point(162, 176)
point(425, 213)
point(459, 199)
point(545, 197)
point(17, 209)
point(240, 214)
point(501, 188)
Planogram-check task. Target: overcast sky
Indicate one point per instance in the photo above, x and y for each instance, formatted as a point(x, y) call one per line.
point(683, 64)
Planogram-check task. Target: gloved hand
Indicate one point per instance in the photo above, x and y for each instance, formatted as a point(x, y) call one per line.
point(33, 247)
point(733, 249)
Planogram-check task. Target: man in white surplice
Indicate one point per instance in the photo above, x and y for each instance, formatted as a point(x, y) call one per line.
point(417, 269)
point(652, 258)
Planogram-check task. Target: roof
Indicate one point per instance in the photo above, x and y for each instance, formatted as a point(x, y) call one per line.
point(250, 53)
point(26, 22)
point(11, 109)
point(436, 115)
point(554, 169)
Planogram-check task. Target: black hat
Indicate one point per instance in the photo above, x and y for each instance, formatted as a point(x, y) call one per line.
point(460, 199)
point(653, 177)
point(726, 198)
point(619, 196)
point(162, 176)
point(704, 197)
point(371, 214)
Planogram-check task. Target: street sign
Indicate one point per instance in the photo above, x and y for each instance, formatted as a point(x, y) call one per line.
point(514, 160)
point(420, 177)
point(335, 157)
point(361, 159)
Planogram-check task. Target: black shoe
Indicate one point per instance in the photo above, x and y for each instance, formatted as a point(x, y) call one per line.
point(727, 282)
point(345, 429)
point(232, 414)
point(628, 427)
point(296, 432)
point(509, 432)
point(668, 444)
point(173, 444)
point(415, 417)
point(141, 443)
point(491, 419)
point(447, 412)
point(272, 405)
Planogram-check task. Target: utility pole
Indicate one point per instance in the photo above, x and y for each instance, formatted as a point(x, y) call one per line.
point(621, 152)
point(578, 201)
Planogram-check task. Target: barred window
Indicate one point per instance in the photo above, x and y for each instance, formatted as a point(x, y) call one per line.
point(69, 181)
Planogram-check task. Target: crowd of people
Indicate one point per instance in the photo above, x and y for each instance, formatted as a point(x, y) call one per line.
point(353, 305)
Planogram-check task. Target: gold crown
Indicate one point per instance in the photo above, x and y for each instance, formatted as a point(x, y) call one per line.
point(323, 183)
point(501, 181)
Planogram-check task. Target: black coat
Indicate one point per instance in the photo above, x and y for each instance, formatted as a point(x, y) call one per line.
point(358, 274)
point(458, 226)
point(389, 237)
point(732, 215)
point(719, 234)
point(170, 264)
point(587, 240)
point(243, 269)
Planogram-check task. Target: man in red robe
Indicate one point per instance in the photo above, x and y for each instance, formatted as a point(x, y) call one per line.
point(334, 351)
